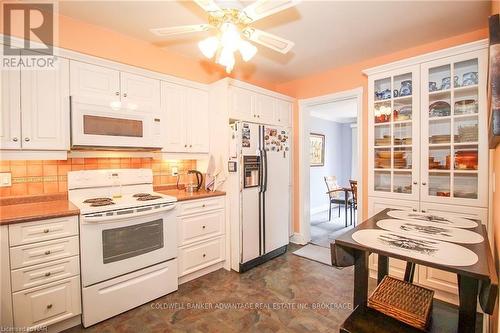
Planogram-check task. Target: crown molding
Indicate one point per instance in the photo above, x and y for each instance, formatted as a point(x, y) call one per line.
point(454, 50)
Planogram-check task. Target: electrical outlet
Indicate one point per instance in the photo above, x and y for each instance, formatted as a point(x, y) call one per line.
point(175, 171)
point(5, 179)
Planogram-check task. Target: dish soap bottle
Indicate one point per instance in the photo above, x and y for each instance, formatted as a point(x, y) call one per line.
point(116, 187)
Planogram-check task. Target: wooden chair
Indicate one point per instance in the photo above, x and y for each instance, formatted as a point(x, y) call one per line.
point(353, 202)
point(335, 196)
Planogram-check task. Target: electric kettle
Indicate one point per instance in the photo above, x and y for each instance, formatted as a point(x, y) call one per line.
point(193, 186)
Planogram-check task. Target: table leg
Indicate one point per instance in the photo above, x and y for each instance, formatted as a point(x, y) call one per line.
point(360, 277)
point(382, 267)
point(468, 291)
point(409, 272)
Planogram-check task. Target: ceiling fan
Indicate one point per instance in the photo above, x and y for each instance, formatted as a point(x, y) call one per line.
point(234, 30)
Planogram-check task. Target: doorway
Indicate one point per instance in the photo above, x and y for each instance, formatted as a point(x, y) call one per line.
point(333, 119)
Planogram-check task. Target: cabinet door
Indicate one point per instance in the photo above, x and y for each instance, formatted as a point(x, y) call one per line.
point(96, 83)
point(264, 108)
point(241, 105)
point(10, 102)
point(454, 133)
point(175, 116)
point(282, 113)
point(140, 93)
point(393, 134)
point(198, 123)
point(376, 205)
point(45, 108)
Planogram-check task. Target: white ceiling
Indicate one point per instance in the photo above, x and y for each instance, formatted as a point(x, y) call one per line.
point(344, 111)
point(327, 34)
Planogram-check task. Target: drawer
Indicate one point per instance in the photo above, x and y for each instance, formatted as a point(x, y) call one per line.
point(200, 206)
point(200, 255)
point(47, 304)
point(32, 254)
point(36, 275)
point(198, 227)
point(26, 233)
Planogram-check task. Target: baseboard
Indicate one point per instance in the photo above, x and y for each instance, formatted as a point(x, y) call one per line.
point(64, 325)
point(201, 272)
point(319, 209)
point(297, 238)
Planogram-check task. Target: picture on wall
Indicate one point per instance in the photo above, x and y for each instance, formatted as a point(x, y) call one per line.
point(317, 149)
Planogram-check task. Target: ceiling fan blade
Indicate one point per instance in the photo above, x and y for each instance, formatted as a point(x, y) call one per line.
point(208, 5)
point(268, 40)
point(263, 8)
point(181, 29)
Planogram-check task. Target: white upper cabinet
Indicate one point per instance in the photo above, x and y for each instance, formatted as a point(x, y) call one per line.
point(35, 108)
point(10, 102)
point(140, 93)
point(174, 99)
point(198, 128)
point(45, 108)
point(283, 113)
point(264, 108)
point(241, 104)
point(94, 83)
point(186, 114)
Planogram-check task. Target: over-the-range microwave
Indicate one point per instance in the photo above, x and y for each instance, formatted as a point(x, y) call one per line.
point(99, 125)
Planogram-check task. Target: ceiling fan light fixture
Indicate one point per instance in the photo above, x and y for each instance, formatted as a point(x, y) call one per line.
point(230, 37)
point(209, 46)
point(226, 59)
point(247, 50)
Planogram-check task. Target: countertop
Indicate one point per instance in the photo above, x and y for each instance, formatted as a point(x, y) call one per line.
point(36, 208)
point(182, 195)
point(33, 211)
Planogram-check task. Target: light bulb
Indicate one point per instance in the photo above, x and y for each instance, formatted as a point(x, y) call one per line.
point(209, 46)
point(247, 50)
point(226, 59)
point(230, 38)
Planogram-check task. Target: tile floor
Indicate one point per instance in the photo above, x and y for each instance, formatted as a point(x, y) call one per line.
point(286, 280)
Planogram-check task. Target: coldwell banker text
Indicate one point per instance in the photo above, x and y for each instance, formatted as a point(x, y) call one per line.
point(29, 35)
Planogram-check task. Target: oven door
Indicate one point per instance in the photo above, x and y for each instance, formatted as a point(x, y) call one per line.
point(117, 245)
point(98, 125)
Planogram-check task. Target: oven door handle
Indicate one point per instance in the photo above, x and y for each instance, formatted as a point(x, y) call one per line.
point(97, 219)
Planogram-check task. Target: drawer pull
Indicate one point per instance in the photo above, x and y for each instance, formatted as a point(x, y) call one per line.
point(49, 306)
point(203, 227)
point(203, 205)
point(47, 252)
point(47, 274)
point(204, 255)
point(46, 231)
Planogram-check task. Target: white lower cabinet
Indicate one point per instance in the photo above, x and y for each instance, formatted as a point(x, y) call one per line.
point(44, 272)
point(444, 283)
point(201, 237)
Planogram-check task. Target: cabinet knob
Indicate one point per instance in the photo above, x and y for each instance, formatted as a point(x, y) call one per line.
point(185, 146)
point(46, 231)
point(49, 306)
point(203, 205)
point(258, 116)
point(26, 139)
point(203, 227)
point(254, 116)
point(190, 146)
point(117, 93)
point(279, 119)
point(415, 183)
point(47, 252)
point(204, 255)
point(125, 95)
point(414, 209)
point(424, 211)
point(424, 183)
point(47, 274)
point(15, 139)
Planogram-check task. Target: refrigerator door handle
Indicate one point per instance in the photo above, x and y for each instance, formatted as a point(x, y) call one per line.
point(264, 171)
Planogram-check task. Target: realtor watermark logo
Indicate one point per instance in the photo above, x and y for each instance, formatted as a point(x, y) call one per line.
point(29, 35)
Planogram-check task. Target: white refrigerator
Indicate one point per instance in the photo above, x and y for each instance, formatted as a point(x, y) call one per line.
point(259, 169)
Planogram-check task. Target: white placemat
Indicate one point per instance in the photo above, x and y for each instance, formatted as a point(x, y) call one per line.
point(448, 220)
point(431, 230)
point(425, 249)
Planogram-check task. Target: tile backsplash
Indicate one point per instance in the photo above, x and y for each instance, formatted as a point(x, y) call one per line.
point(49, 177)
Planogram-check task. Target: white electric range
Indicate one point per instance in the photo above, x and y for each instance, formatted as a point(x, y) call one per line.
point(128, 240)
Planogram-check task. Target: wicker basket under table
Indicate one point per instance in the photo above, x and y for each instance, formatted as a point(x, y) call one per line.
point(403, 301)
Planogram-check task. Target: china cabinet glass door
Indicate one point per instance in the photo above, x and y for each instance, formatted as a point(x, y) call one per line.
point(454, 136)
point(393, 127)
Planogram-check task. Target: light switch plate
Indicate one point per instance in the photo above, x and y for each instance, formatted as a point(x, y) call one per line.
point(175, 171)
point(5, 179)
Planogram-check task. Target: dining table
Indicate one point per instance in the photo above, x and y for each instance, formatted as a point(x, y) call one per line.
point(477, 280)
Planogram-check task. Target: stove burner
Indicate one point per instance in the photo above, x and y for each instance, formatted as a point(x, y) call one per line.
point(140, 195)
point(102, 203)
point(149, 197)
point(98, 200)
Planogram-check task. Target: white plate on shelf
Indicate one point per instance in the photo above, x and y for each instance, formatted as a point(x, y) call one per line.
point(444, 220)
point(430, 250)
point(431, 230)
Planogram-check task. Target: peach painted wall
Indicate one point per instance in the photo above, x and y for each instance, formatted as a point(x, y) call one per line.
point(349, 77)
